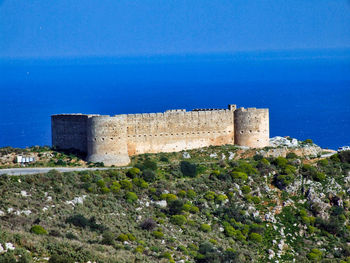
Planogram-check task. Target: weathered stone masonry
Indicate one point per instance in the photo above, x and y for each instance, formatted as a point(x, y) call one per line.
point(112, 139)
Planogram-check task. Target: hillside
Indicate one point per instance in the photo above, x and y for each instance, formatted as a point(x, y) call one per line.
point(216, 204)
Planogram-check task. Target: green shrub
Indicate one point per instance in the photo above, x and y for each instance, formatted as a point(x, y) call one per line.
point(140, 183)
point(315, 255)
point(205, 228)
point(244, 167)
point(229, 230)
point(126, 184)
point(115, 187)
point(281, 162)
point(246, 189)
point(107, 238)
point(239, 176)
point(308, 141)
point(133, 172)
point(323, 162)
point(291, 155)
point(158, 234)
point(221, 197)
point(319, 176)
point(78, 220)
point(139, 249)
point(105, 190)
point(131, 197)
point(131, 237)
point(169, 197)
point(188, 169)
point(101, 183)
point(149, 175)
point(194, 209)
point(167, 255)
point(209, 195)
point(255, 237)
point(38, 230)
point(178, 220)
point(164, 159)
point(123, 237)
point(149, 164)
point(191, 194)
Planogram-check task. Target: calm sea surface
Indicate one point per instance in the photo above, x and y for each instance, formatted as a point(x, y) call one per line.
point(307, 98)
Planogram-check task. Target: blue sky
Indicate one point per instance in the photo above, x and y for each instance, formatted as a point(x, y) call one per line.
point(76, 28)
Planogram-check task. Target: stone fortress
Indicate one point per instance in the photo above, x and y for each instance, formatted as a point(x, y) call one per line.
point(112, 139)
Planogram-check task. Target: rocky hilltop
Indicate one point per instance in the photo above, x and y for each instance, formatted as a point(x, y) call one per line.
point(285, 203)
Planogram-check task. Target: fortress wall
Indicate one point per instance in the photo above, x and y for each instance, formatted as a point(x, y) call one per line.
point(178, 130)
point(252, 127)
point(69, 131)
point(107, 140)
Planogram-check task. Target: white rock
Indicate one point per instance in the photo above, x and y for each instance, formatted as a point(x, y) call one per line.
point(231, 155)
point(2, 250)
point(76, 200)
point(165, 192)
point(147, 204)
point(271, 254)
point(49, 199)
point(24, 193)
point(9, 246)
point(186, 155)
point(223, 157)
point(138, 209)
point(2, 213)
point(26, 212)
point(221, 229)
point(161, 203)
point(213, 155)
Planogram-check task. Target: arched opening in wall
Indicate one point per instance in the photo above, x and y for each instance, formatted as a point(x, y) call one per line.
point(250, 131)
point(103, 139)
point(258, 130)
point(95, 139)
point(241, 132)
point(111, 138)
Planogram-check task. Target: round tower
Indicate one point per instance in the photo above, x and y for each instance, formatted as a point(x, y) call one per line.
point(106, 140)
point(252, 127)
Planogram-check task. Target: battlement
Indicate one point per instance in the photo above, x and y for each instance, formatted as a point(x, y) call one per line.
point(112, 139)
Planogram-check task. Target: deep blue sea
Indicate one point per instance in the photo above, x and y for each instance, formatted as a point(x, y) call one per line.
point(307, 97)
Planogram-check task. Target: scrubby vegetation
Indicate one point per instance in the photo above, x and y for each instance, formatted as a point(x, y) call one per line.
point(170, 209)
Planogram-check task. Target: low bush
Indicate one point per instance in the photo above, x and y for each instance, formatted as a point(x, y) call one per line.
point(188, 169)
point(133, 172)
point(38, 230)
point(239, 176)
point(255, 237)
point(205, 228)
point(131, 197)
point(123, 237)
point(178, 220)
point(126, 184)
point(108, 238)
point(158, 234)
point(148, 224)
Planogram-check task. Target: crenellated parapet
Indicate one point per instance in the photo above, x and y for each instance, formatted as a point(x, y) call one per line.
point(112, 139)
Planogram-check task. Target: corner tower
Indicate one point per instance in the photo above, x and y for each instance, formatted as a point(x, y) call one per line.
point(107, 140)
point(252, 127)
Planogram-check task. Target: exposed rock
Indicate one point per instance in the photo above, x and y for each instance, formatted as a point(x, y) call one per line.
point(213, 155)
point(76, 200)
point(161, 203)
point(231, 155)
point(186, 155)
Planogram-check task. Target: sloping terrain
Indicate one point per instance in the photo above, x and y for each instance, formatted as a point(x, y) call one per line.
point(216, 204)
